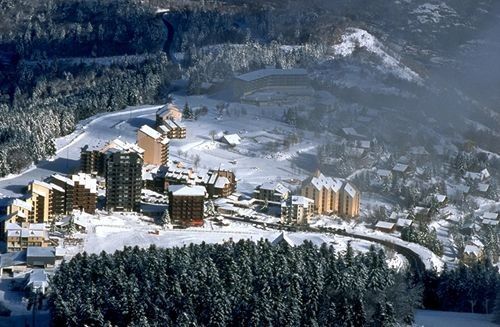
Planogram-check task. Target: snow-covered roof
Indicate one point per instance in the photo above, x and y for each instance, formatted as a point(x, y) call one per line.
point(166, 109)
point(318, 180)
point(440, 198)
point(404, 222)
point(150, 132)
point(490, 215)
point(384, 173)
point(490, 222)
point(231, 139)
point(63, 179)
point(38, 279)
point(37, 251)
point(300, 201)
point(350, 131)
point(187, 190)
point(42, 184)
point(86, 180)
point(57, 188)
point(482, 187)
point(277, 187)
point(485, 173)
point(282, 237)
point(21, 204)
point(399, 167)
point(261, 73)
point(350, 189)
point(221, 182)
point(365, 144)
point(120, 145)
point(384, 225)
point(472, 250)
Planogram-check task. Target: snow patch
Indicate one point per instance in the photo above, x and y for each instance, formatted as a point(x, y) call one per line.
point(356, 38)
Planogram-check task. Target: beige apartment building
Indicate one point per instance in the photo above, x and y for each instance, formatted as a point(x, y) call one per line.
point(331, 195)
point(20, 237)
point(349, 200)
point(170, 111)
point(155, 145)
point(324, 191)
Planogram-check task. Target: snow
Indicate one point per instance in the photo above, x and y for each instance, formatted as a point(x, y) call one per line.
point(433, 13)
point(430, 318)
point(355, 38)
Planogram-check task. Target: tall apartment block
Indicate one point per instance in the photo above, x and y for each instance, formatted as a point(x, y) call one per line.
point(92, 161)
point(80, 191)
point(332, 195)
point(155, 145)
point(186, 204)
point(324, 191)
point(123, 176)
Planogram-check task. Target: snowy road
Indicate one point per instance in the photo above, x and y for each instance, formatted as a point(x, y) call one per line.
point(122, 124)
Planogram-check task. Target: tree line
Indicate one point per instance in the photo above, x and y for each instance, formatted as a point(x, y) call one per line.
point(232, 284)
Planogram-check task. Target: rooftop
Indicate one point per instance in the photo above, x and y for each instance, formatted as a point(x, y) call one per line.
point(150, 132)
point(187, 190)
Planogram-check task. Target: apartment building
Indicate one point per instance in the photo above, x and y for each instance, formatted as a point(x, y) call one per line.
point(168, 112)
point(155, 145)
point(80, 192)
point(324, 191)
point(186, 204)
point(92, 161)
point(349, 200)
point(124, 178)
point(297, 210)
point(172, 129)
point(273, 192)
point(20, 237)
point(332, 195)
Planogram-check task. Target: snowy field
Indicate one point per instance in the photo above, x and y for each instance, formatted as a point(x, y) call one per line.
point(428, 318)
point(112, 232)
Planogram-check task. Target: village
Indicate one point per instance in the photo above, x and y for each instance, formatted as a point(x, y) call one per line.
point(200, 166)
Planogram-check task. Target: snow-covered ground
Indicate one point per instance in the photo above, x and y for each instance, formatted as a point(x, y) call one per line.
point(428, 318)
point(112, 232)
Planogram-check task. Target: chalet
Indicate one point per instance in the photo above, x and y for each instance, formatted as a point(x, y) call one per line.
point(403, 223)
point(483, 187)
point(401, 169)
point(230, 139)
point(168, 112)
point(385, 226)
point(490, 215)
point(219, 183)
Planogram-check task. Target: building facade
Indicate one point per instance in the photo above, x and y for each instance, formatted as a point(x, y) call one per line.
point(20, 237)
point(186, 204)
point(332, 195)
point(123, 180)
point(172, 129)
point(297, 210)
point(155, 145)
point(273, 192)
point(349, 200)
